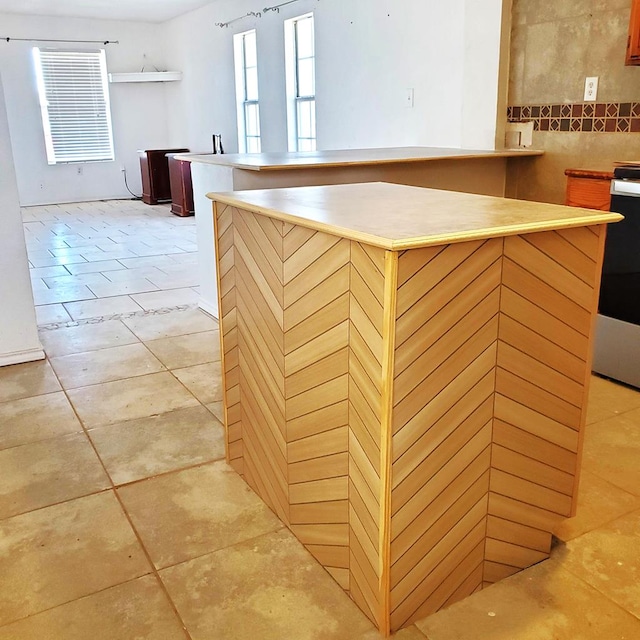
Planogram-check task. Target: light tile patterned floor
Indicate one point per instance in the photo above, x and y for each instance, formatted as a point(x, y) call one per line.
point(119, 518)
point(109, 258)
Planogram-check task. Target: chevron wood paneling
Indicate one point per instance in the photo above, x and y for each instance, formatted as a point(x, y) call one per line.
point(365, 419)
point(414, 417)
point(442, 423)
point(550, 283)
point(316, 346)
point(225, 254)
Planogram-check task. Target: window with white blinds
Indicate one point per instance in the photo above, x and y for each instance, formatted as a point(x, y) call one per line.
point(74, 101)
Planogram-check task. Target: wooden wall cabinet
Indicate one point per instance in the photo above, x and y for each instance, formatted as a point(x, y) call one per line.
point(633, 41)
point(154, 167)
point(588, 189)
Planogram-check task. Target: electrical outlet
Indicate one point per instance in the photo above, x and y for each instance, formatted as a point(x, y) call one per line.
point(123, 169)
point(79, 169)
point(591, 89)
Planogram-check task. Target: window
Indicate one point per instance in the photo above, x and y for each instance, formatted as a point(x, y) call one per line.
point(74, 101)
point(301, 83)
point(246, 63)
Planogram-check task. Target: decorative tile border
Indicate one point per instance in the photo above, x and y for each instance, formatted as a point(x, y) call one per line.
point(605, 117)
point(116, 316)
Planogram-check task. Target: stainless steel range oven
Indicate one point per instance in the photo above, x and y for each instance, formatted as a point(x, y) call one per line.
point(617, 342)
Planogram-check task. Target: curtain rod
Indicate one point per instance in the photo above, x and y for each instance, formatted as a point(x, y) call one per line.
point(72, 41)
point(246, 15)
point(275, 8)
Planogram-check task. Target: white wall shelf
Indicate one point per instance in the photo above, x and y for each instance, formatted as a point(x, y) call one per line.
point(146, 76)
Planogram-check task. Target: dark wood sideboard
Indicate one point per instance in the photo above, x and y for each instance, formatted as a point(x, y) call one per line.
point(154, 166)
point(181, 187)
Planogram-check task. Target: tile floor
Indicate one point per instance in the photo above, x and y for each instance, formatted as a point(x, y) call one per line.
point(119, 518)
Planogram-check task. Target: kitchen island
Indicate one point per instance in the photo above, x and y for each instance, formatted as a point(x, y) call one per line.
point(454, 169)
point(405, 378)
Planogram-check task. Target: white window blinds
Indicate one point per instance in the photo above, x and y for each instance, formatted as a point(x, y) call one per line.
point(74, 100)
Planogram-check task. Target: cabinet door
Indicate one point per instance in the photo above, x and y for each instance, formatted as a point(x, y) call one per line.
point(633, 41)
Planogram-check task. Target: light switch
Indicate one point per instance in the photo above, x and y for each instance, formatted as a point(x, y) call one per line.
point(591, 89)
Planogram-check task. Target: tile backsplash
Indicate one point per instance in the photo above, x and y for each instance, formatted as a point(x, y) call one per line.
point(606, 117)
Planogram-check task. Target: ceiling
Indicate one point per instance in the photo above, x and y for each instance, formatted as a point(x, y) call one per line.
point(136, 10)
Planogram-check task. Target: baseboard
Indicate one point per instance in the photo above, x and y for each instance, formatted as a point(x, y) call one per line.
point(19, 357)
point(208, 308)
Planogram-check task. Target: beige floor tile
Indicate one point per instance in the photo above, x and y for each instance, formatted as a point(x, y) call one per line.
point(544, 602)
point(125, 275)
point(612, 450)
point(161, 299)
point(114, 363)
point(38, 418)
point(136, 609)
point(189, 513)
point(217, 408)
point(607, 399)
point(49, 313)
point(609, 560)
point(150, 446)
point(203, 380)
point(48, 272)
point(43, 473)
point(55, 555)
point(68, 293)
point(187, 351)
point(268, 588)
point(128, 399)
point(599, 502)
point(101, 307)
point(86, 337)
point(26, 380)
point(94, 267)
point(123, 287)
point(166, 325)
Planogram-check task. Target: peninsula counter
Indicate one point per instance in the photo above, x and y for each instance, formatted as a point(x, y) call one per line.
point(454, 169)
point(405, 378)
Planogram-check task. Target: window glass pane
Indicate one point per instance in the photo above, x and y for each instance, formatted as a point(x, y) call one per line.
point(252, 83)
point(253, 145)
point(306, 80)
point(306, 145)
point(250, 54)
point(304, 29)
point(252, 119)
point(304, 119)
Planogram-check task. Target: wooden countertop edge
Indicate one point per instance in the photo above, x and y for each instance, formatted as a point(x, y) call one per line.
point(218, 161)
point(422, 241)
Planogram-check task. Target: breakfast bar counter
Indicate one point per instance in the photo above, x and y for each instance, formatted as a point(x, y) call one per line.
point(470, 171)
point(405, 378)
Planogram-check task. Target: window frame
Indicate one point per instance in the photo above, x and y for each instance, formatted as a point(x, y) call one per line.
point(67, 110)
point(295, 97)
point(247, 142)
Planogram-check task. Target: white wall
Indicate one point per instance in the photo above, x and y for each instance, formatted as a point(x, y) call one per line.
point(368, 52)
point(138, 110)
point(18, 333)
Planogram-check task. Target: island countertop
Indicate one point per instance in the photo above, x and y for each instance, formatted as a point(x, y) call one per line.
point(398, 217)
point(344, 157)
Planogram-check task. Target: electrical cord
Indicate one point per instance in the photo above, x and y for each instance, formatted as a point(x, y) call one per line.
point(135, 197)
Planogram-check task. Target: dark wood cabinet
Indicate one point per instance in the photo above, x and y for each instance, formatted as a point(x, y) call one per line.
point(633, 41)
point(588, 189)
point(154, 166)
point(181, 188)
